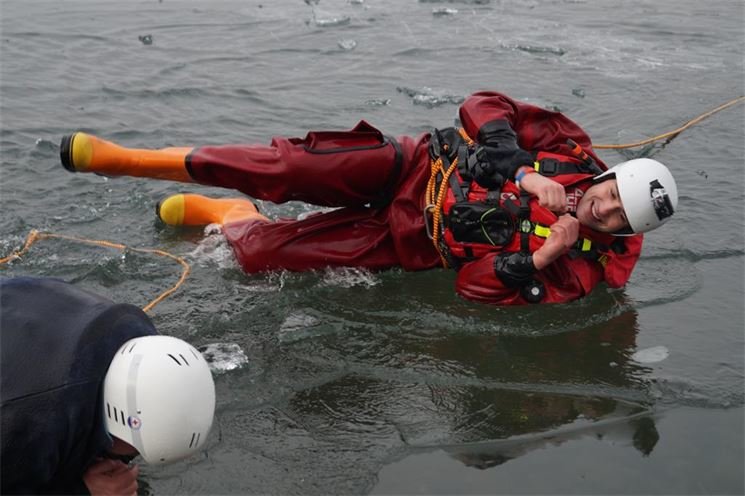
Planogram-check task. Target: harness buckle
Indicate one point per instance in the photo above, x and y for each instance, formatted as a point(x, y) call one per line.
point(549, 167)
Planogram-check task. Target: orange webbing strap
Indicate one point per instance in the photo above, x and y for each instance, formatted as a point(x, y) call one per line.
point(436, 198)
point(35, 236)
point(672, 134)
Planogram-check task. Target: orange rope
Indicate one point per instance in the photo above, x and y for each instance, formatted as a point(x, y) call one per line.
point(672, 134)
point(436, 199)
point(35, 236)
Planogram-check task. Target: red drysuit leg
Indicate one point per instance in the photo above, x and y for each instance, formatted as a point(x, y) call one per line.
point(346, 237)
point(328, 168)
point(348, 169)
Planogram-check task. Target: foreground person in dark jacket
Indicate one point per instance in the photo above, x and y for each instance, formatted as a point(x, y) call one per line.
point(482, 199)
point(87, 385)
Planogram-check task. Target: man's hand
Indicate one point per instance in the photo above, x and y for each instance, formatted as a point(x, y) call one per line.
point(564, 233)
point(550, 194)
point(111, 477)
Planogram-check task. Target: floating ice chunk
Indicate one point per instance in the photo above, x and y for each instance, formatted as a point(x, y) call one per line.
point(378, 102)
point(651, 355)
point(330, 22)
point(298, 321)
point(537, 49)
point(222, 357)
point(347, 44)
point(298, 326)
point(430, 98)
point(444, 11)
point(45, 144)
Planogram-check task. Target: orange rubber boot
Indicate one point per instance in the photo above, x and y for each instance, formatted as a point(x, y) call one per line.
point(197, 210)
point(81, 152)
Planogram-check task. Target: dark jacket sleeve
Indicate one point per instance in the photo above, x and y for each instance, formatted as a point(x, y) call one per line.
point(490, 118)
point(536, 128)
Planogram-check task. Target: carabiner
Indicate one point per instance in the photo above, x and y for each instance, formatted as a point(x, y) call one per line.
point(426, 214)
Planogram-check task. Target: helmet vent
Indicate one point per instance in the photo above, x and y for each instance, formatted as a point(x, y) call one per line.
point(124, 350)
point(118, 414)
point(195, 439)
point(196, 355)
point(181, 362)
point(174, 359)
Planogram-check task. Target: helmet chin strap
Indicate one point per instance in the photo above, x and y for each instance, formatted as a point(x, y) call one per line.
point(603, 177)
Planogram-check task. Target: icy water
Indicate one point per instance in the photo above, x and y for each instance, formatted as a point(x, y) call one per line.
point(348, 382)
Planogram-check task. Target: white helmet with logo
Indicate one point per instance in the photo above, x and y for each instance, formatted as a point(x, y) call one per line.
point(159, 397)
point(648, 193)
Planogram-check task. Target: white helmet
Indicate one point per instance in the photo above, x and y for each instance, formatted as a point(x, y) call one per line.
point(648, 193)
point(159, 397)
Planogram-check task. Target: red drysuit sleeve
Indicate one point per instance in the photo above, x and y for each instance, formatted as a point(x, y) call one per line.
point(484, 107)
point(536, 128)
point(564, 280)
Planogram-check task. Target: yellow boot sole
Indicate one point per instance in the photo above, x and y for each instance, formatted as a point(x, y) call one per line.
point(196, 210)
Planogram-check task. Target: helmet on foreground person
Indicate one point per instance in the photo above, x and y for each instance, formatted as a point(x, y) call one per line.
point(159, 397)
point(648, 193)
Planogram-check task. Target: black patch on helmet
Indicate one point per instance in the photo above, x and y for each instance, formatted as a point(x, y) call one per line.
point(660, 200)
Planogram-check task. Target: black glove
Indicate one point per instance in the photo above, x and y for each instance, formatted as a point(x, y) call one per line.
point(515, 270)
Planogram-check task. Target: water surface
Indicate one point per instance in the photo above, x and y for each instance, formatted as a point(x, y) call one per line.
point(349, 382)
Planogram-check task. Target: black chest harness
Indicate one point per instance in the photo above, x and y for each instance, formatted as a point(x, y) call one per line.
point(494, 212)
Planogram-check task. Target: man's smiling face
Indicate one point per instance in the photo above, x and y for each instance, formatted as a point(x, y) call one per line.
point(601, 209)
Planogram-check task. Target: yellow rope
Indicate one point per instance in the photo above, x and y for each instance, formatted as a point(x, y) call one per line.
point(35, 236)
point(674, 132)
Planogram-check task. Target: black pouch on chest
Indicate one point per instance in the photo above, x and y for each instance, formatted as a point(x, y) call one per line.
point(480, 222)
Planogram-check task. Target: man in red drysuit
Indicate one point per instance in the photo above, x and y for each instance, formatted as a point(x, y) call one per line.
point(516, 201)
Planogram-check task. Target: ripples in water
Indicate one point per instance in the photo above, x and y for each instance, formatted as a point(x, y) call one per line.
point(213, 249)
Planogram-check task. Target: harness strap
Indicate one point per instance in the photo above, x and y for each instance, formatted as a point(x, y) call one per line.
point(526, 226)
point(387, 194)
point(552, 167)
point(456, 187)
point(549, 166)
